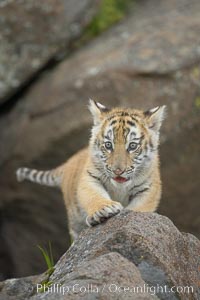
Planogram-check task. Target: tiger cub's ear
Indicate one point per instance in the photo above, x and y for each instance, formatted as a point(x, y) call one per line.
point(97, 110)
point(155, 116)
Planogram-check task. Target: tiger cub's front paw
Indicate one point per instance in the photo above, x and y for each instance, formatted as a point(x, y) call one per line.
point(104, 213)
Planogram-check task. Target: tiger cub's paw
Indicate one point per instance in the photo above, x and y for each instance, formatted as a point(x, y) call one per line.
point(104, 213)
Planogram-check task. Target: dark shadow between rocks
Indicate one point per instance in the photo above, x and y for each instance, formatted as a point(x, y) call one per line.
point(33, 215)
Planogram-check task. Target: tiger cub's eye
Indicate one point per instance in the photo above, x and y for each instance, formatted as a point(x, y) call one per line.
point(132, 146)
point(108, 145)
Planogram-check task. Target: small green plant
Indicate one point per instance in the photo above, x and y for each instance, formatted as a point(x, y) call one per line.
point(48, 257)
point(197, 102)
point(110, 12)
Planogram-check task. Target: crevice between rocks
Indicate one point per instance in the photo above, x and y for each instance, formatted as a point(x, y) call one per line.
point(10, 102)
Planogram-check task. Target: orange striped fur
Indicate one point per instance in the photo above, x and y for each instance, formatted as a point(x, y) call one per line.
point(120, 168)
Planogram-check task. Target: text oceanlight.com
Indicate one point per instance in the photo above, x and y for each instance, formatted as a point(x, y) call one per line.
point(113, 288)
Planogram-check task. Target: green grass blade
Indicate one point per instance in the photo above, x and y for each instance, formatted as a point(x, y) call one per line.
point(46, 257)
point(51, 254)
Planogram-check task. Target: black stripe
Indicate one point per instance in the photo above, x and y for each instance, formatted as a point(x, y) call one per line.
point(139, 152)
point(93, 176)
point(48, 176)
point(111, 117)
point(38, 179)
point(34, 174)
point(131, 123)
point(133, 134)
point(152, 126)
point(131, 197)
point(119, 114)
point(124, 114)
point(113, 122)
point(137, 139)
point(96, 142)
point(134, 119)
point(150, 144)
point(137, 186)
point(107, 137)
point(42, 178)
point(126, 132)
point(142, 137)
point(121, 121)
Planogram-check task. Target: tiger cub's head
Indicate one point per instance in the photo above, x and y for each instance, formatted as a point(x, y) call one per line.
point(123, 141)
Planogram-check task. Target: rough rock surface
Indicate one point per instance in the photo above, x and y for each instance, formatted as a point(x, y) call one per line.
point(131, 250)
point(151, 58)
point(35, 32)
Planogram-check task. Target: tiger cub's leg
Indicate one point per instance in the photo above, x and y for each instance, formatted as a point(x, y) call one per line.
point(147, 200)
point(96, 202)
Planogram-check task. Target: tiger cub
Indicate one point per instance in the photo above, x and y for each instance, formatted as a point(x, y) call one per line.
point(120, 168)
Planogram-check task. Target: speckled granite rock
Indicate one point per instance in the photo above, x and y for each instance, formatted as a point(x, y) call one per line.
point(35, 32)
point(128, 253)
point(150, 58)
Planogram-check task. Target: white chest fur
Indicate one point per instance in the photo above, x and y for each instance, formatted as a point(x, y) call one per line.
point(119, 192)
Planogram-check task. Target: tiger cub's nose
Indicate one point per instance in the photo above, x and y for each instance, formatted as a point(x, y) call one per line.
point(118, 171)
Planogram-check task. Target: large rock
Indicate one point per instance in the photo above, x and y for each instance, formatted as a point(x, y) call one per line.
point(131, 256)
point(149, 59)
point(35, 32)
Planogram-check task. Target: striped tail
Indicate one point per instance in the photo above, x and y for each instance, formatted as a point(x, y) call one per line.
point(50, 178)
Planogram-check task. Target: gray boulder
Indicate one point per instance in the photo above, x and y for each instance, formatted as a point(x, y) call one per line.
point(150, 58)
point(131, 256)
point(33, 33)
